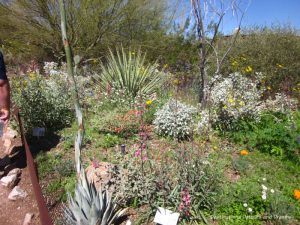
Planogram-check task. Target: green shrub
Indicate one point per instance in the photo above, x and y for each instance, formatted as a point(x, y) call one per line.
point(46, 163)
point(273, 51)
point(122, 122)
point(277, 134)
point(241, 164)
point(187, 184)
point(65, 168)
point(254, 202)
point(110, 140)
point(43, 102)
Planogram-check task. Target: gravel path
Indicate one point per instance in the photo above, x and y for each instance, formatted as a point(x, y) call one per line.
point(13, 212)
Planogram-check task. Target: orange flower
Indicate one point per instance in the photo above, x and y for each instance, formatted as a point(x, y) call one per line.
point(118, 129)
point(244, 152)
point(297, 194)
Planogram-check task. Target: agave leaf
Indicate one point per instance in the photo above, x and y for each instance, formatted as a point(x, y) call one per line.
point(89, 207)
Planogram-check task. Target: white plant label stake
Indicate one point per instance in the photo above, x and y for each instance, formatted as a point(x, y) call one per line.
point(166, 217)
point(38, 131)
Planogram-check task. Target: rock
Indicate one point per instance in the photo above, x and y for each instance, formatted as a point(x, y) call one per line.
point(10, 133)
point(9, 180)
point(99, 173)
point(16, 171)
point(28, 218)
point(17, 193)
point(7, 145)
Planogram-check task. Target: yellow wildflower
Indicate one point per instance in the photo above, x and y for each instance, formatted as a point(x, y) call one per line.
point(166, 66)
point(244, 152)
point(149, 102)
point(248, 69)
point(176, 82)
point(231, 100)
point(32, 76)
point(279, 65)
point(297, 194)
point(269, 88)
point(225, 107)
point(234, 63)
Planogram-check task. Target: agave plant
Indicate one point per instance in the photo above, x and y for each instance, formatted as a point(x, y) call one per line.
point(91, 207)
point(129, 72)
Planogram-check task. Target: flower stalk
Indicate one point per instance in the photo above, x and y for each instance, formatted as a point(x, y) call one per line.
point(70, 68)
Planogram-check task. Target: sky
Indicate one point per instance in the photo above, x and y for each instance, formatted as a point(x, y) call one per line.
point(266, 12)
point(261, 13)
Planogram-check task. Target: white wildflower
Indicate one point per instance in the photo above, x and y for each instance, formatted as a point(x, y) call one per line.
point(175, 119)
point(264, 187)
point(250, 210)
point(264, 196)
point(245, 205)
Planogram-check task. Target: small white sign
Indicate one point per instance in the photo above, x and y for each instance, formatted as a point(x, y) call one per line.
point(166, 217)
point(38, 131)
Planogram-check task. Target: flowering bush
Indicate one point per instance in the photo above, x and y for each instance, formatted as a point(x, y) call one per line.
point(122, 122)
point(231, 98)
point(187, 186)
point(174, 120)
point(280, 103)
point(43, 102)
point(111, 98)
point(237, 96)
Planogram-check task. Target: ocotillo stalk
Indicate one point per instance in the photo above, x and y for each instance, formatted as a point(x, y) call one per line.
point(70, 66)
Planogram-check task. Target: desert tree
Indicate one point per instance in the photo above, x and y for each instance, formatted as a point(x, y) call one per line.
point(90, 22)
point(209, 15)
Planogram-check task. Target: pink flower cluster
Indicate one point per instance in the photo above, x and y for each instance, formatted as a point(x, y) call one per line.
point(185, 203)
point(141, 150)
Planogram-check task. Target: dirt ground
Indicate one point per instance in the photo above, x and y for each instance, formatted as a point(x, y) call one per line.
point(13, 212)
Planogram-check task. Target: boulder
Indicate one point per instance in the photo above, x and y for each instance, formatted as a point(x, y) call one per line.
point(17, 193)
point(28, 218)
point(16, 171)
point(7, 145)
point(9, 180)
point(10, 133)
point(100, 173)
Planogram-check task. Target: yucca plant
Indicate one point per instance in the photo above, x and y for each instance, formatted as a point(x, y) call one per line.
point(91, 207)
point(129, 72)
